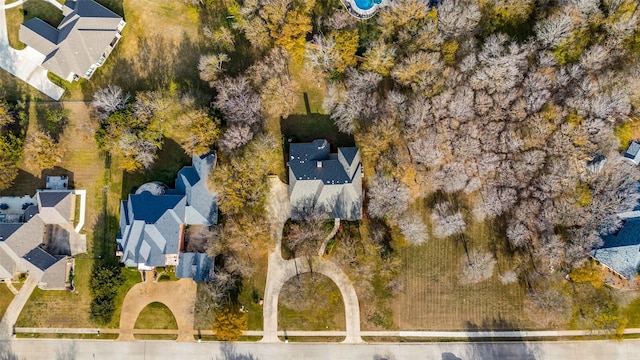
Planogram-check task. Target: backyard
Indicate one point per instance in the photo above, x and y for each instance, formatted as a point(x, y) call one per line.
point(434, 298)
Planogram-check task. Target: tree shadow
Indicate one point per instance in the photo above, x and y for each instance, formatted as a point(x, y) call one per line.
point(24, 184)
point(67, 351)
point(229, 352)
point(171, 158)
point(5, 351)
point(113, 5)
point(306, 128)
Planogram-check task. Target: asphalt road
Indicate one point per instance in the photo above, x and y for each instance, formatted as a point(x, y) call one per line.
point(143, 350)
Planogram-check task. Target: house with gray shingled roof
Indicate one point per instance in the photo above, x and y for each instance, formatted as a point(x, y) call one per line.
point(80, 44)
point(330, 183)
point(153, 221)
point(40, 239)
point(633, 153)
point(620, 252)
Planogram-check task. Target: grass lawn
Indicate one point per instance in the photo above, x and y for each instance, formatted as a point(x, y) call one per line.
point(5, 299)
point(305, 128)
point(60, 308)
point(632, 313)
point(160, 46)
point(29, 10)
point(310, 302)
point(251, 293)
point(156, 316)
point(434, 299)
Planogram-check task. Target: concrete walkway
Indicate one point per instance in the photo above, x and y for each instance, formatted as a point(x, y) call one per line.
point(334, 231)
point(25, 64)
point(83, 208)
point(280, 271)
point(14, 4)
point(13, 311)
point(11, 287)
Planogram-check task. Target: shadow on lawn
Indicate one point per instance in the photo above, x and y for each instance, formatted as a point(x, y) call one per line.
point(156, 64)
point(171, 158)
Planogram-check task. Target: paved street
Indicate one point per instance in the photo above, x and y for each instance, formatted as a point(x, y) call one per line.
point(142, 350)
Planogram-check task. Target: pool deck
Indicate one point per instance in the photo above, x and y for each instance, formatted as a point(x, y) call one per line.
point(355, 11)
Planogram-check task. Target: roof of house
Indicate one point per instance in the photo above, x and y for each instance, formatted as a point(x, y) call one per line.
point(632, 150)
point(151, 226)
point(329, 182)
point(41, 259)
point(621, 252)
point(21, 243)
point(196, 266)
point(82, 37)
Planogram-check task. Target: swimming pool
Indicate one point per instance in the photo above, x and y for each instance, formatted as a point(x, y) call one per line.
point(366, 4)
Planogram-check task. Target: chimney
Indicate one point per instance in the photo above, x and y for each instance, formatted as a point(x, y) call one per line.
point(318, 164)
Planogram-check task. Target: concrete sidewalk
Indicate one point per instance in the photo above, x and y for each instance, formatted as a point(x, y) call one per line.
point(13, 311)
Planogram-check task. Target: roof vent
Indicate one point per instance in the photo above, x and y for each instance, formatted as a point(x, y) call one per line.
point(318, 164)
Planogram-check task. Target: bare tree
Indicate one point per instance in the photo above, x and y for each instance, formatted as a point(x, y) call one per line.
point(445, 221)
point(238, 101)
point(549, 307)
point(413, 229)
point(235, 137)
point(387, 197)
point(109, 100)
point(477, 266)
point(509, 277)
point(457, 18)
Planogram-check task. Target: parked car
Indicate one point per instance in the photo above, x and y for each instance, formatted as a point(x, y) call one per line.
point(4, 206)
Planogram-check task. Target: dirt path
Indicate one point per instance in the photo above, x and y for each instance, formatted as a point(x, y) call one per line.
point(280, 271)
point(179, 296)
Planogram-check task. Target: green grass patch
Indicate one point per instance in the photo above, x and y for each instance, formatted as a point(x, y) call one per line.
point(156, 316)
point(5, 299)
point(632, 313)
point(310, 302)
point(252, 292)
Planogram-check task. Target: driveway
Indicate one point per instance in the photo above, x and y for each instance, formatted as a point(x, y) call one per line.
point(179, 296)
point(280, 270)
point(25, 64)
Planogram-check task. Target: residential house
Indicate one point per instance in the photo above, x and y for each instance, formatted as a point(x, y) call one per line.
point(330, 183)
point(633, 153)
point(620, 252)
point(37, 238)
point(80, 44)
point(154, 221)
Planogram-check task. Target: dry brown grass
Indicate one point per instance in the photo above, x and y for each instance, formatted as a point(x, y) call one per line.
point(433, 297)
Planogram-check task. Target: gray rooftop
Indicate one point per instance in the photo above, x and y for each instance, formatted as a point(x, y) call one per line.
point(621, 252)
point(196, 266)
point(21, 242)
point(328, 182)
point(84, 35)
point(152, 226)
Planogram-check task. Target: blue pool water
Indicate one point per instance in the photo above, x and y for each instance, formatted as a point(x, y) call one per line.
point(366, 4)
